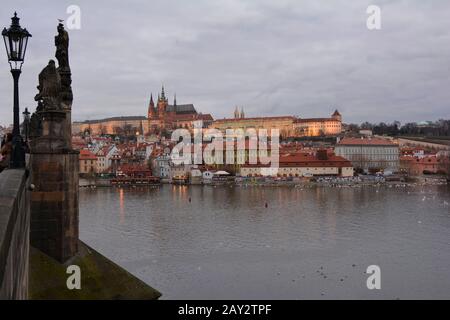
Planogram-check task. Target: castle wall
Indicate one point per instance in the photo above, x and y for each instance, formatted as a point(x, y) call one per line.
point(109, 126)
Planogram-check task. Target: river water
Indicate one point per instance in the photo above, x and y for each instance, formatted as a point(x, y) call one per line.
point(204, 242)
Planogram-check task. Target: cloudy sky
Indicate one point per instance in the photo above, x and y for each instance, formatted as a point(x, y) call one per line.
point(273, 57)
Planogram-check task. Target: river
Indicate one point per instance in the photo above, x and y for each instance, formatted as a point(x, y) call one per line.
point(204, 242)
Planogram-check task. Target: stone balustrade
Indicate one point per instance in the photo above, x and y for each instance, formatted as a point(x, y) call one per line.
point(14, 234)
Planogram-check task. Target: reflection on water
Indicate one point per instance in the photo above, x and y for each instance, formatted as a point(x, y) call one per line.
point(222, 242)
point(122, 207)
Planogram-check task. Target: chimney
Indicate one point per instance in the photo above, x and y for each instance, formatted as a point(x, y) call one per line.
point(322, 154)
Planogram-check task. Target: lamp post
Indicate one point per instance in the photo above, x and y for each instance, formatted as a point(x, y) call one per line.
point(16, 40)
point(26, 124)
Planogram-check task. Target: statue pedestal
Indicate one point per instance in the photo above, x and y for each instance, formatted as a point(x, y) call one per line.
point(54, 200)
point(54, 137)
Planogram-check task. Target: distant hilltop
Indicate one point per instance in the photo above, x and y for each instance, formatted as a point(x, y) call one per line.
point(163, 117)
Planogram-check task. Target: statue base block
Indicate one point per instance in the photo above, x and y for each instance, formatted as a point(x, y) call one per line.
point(54, 203)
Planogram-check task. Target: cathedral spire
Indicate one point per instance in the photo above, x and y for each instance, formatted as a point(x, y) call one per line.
point(175, 99)
point(151, 107)
point(151, 99)
point(163, 94)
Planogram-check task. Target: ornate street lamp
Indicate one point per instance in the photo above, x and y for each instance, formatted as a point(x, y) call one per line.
point(16, 40)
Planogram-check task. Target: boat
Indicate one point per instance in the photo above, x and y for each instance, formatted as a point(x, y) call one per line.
point(180, 180)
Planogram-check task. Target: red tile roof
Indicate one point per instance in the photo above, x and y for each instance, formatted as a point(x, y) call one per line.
point(315, 120)
point(366, 141)
point(308, 160)
point(87, 155)
point(255, 118)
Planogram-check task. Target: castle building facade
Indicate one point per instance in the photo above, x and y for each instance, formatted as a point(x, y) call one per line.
point(288, 126)
point(284, 124)
point(313, 127)
point(114, 125)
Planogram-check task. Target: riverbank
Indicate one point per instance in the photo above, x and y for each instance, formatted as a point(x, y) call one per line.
point(338, 182)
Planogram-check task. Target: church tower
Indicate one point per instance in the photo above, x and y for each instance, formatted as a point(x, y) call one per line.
point(162, 103)
point(242, 113)
point(336, 115)
point(151, 108)
point(236, 113)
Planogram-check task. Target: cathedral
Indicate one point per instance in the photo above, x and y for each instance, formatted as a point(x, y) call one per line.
point(166, 117)
point(161, 118)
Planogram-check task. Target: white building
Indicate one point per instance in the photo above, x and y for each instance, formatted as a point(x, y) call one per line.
point(303, 165)
point(104, 156)
point(161, 166)
point(369, 154)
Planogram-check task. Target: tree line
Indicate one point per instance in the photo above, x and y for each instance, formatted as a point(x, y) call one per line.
point(440, 128)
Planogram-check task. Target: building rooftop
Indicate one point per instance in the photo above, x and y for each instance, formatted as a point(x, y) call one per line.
point(336, 113)
point(315, 120)
point(124, 118)
point(87, 155)
point(365, 141)
point(181, 108)
point(307, 160)
point(256, 118)
point(191, 117)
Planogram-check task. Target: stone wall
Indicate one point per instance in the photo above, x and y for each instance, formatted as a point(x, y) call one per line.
point(422, 144)
point(14, 234)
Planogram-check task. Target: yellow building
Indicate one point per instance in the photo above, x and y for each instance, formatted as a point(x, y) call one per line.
point(115, 125)
point(314, 127)
point(284, 124)
point(288, 126)
point(88, 162)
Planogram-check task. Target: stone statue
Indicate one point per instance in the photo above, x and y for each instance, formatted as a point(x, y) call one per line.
point(62, 48)
point(35, 129)
point(49, 121)
point(55, 96)
point(62, 55)
point(49, 96)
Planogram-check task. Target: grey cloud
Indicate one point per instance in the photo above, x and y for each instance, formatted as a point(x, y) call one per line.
point(272, 57)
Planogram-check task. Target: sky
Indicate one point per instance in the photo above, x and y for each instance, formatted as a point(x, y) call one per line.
point(277, 57)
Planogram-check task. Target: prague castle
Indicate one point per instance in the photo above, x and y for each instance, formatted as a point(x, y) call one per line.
point(163, 117)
